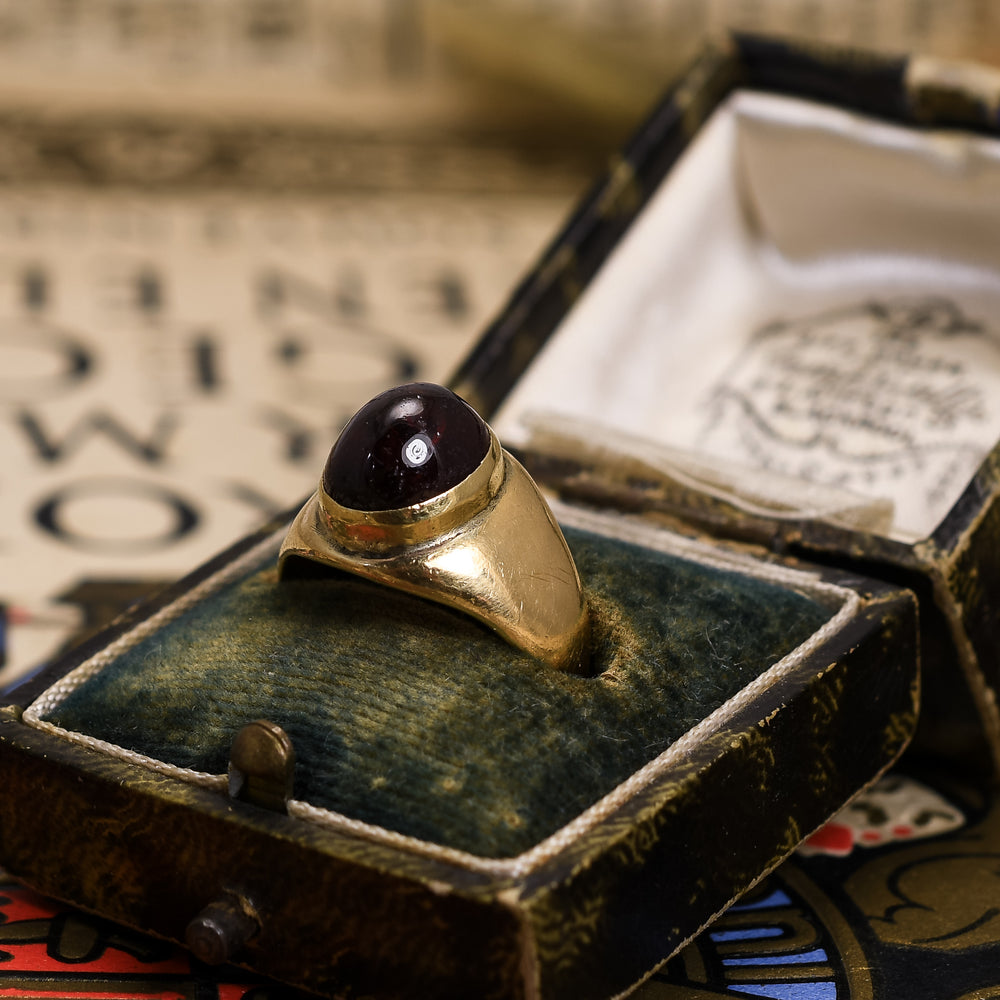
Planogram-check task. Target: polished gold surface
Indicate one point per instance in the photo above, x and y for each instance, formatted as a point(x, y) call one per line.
point(489, 547)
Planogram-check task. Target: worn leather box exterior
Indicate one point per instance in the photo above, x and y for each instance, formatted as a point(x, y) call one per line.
point(944, 115)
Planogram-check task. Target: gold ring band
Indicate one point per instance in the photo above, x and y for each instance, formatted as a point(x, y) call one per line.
point(488, 546)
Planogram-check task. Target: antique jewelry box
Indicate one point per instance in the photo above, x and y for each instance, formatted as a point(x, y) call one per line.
point(459, 819)
point(361, 793)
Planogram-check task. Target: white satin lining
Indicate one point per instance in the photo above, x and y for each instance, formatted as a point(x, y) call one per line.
point(790, 213)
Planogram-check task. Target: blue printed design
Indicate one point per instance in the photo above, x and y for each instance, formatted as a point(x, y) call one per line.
point(746, 934)
point(776, 898)
point(800, 958)
point(790, 991)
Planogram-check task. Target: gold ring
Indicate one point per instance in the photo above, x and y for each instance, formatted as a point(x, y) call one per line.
point(418, 495)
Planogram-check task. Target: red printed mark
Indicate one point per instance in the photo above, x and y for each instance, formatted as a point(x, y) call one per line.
point(834, 838)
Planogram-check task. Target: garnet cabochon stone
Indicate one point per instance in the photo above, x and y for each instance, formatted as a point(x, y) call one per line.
point(405, 446)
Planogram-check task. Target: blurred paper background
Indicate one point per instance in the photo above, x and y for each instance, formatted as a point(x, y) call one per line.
point(225, 225)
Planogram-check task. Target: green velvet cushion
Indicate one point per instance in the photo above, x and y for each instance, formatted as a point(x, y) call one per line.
point(413, 717)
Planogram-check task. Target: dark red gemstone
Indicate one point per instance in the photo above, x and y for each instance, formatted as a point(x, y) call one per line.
point(405, 446)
